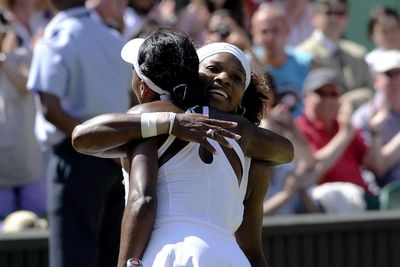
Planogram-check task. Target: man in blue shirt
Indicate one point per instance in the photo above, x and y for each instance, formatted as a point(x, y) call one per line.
point(287, 66)
point(77, 73)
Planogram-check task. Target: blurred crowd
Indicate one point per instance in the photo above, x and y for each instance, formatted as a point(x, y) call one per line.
point(337, 101)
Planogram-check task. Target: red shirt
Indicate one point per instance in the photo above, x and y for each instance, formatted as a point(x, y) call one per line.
point(347, 168)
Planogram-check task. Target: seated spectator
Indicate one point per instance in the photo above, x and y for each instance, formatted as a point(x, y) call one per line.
point(287, 67)
point(290, 182)
point(330, 50)
point(379, 120)
point(383, 31)
point(337, 146)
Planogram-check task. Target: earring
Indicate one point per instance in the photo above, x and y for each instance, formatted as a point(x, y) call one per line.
point(240, 110)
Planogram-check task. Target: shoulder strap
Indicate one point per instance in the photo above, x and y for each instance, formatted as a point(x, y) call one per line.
point(171, 138)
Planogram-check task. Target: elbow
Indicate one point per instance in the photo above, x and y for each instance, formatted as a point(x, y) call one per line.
point(287, 152)
point(142, 205)
point(76, 137)
point(79, 142)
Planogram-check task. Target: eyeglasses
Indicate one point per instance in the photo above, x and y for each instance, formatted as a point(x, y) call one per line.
point(393, 75)
point(338, 13)
point(327, 94)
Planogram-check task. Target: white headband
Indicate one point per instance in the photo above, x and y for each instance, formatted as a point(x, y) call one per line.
point(216, 48)
point(130, 53)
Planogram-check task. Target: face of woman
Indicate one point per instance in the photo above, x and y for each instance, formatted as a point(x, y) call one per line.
point(225, 81)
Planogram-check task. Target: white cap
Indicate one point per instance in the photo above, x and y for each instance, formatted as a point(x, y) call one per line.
point(387, 60)
point(130, 54)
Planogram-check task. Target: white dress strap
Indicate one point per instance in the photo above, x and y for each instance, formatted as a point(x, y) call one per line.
point(171, 138)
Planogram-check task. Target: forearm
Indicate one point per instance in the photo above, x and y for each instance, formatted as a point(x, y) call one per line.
point(249, 234)
point(276, 201)
point(374, 158)
point(265, 145)
point(328, 155)
point(140, 211)
point(390, 153)
point(18, 76)
point(302, 150)
point(52, 111)
point(109, 132)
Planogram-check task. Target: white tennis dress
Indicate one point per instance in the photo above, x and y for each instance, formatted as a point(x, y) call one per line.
point(199, 208)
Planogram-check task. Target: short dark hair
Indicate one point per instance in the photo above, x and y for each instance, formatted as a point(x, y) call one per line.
point(377, 14)
point(169, 59)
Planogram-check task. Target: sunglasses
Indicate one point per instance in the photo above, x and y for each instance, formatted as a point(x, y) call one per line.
point(327, 94)
point(393, 75)
point(338, 13)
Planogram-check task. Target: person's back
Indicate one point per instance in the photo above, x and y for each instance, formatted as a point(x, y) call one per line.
point(199, 207)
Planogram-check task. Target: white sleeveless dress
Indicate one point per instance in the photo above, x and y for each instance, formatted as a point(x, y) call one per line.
point(199, 208)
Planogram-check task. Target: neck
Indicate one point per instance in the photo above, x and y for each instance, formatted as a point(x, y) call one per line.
point(333, 36)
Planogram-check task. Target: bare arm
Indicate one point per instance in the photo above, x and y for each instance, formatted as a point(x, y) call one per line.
point(53, 112)
point(296, 183)
point(265, 145)
point(249, 234)
point(140, 210)
point(18, 75)
point(328, 155)
point(106, 135)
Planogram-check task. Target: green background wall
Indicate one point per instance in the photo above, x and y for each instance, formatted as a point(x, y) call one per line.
point(359, 12)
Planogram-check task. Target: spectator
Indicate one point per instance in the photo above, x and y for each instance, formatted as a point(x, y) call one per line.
point(383, 31)
point(287, 67)
point(77, 73)
point(298, 14)
point(235, 8)
point(143, 16)
point(336, 145)
point(222, 27)
point(110, 12)
point(290, 182)
point(22, 183)
point(330, 50)
point(379, 120)
point(193, 19)
point(22, 16)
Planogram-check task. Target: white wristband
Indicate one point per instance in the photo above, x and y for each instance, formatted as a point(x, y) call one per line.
point(148, 123)
point(172, 116)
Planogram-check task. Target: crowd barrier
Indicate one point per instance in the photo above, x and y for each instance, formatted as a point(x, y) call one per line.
point(370, 239)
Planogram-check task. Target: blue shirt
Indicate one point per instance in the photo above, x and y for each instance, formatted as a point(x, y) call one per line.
point(78, 60)
point(290, 76)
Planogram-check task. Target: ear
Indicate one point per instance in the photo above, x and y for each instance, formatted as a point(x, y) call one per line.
point(146, 93)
